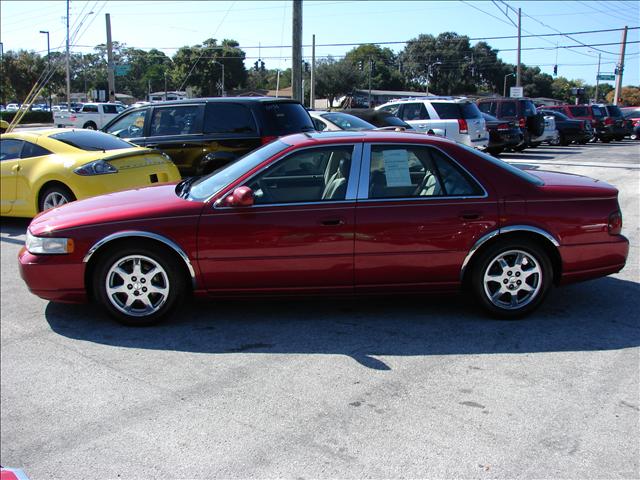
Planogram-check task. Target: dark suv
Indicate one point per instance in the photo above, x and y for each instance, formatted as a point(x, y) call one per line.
point(520, 110)
point(202, 134)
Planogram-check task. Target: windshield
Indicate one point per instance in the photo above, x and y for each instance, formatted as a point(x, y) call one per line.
point(504, 165)
point(91, 140)
point(348, 122)
point(205, 187)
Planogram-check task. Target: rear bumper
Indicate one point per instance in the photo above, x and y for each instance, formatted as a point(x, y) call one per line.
point(585, 262)
point(52, 277)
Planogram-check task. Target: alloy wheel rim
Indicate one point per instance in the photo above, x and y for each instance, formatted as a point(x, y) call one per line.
point(54, 199)
point(137, 285)
point(512, 280)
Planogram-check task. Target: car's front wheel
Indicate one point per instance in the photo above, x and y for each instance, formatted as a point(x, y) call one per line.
point(139, 286)
point(510, 279)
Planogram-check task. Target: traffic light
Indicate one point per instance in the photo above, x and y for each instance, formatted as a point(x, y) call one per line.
point(555, 69)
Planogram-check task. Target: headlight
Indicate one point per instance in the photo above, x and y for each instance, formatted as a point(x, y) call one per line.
point(99, 167)
point(48, 245)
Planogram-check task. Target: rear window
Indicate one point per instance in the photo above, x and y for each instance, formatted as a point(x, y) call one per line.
point(348, 122)
point(285, 118)
point(91, 140)
point(614, 111)
point(457, 110)
point(528, 108)
point(504, 165)
point(580, 111)
point(228, 118)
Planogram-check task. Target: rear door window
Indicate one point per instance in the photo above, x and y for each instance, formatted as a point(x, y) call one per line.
point(284, 118)
point(110, 109)
point(414, 111)
point(90, 109)
point(175, 120)
point(228, 118)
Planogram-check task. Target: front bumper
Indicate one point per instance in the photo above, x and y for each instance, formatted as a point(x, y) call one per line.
point(53, 277)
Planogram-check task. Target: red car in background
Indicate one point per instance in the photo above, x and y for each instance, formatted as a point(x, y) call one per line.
point(606, 120)
point(327, 213)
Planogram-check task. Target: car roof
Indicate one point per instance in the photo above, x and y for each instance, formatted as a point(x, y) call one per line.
point(368, 136)
point(247, 100)
point(33, 135)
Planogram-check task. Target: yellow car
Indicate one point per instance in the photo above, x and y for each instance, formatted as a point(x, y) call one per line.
point(4, 126)
point(42, 169)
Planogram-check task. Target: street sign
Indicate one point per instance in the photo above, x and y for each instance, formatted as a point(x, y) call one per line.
point(122, 70)
point(603, 76)
point(516, 92)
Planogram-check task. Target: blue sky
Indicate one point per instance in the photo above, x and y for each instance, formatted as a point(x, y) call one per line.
point(172, 24)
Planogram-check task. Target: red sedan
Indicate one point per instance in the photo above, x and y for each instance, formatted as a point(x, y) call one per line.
point(344, 212)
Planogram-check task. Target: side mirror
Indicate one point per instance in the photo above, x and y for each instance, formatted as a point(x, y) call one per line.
point(240, 197)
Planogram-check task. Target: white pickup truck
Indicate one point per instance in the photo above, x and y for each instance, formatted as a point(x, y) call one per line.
point(91, 115)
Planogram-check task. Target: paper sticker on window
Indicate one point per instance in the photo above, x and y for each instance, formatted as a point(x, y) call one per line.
point(396, 168)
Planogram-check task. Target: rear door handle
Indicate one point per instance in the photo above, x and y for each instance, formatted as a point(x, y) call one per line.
point(332, 222)
point(470, 215)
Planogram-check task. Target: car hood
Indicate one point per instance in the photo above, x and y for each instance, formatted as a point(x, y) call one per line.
point(572, 184)
point(156, 201)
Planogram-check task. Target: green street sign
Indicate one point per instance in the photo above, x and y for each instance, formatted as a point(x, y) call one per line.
point(122, 70)
point(606, 77)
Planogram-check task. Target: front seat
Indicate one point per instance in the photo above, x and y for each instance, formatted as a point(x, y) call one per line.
point(336, 187)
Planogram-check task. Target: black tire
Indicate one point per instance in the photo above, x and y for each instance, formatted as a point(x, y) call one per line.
point(563, 140)
point(127, 306)
point(506, 279)
point(90, 126)
point(534, 144)
point(524, 144)
point(605, 140)
point(495, 151)
point(54, 196)
point(535, 124)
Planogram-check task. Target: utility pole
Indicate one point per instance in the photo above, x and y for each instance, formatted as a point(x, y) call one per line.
point(67, 62)
point(598, 77)
point(296, 54)
point(518, 71)
point(110, 67)
point(48, 64)
point(370, 69)
point(312, 87)
point(620, 68)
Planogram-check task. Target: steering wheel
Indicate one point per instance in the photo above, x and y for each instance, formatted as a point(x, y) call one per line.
point(133, 130)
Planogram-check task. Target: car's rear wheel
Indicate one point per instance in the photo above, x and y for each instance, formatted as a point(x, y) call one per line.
point(510, 279)
point(90, 126)
point(54, 196)
point(139, 286)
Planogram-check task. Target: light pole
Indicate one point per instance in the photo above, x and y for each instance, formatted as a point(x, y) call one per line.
point(222, 65)
point(504, 91)
point(429, 66)
point(49, 63)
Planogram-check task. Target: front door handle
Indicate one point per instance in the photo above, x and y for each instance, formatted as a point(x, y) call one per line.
point(152, 145)
point(332, 222)
point(16, 168)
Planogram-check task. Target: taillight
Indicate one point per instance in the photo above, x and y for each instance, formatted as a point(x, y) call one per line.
point(615, 223)
point(462, 125)
point(636, 123)
point(503, 127)
point(268, 139)
point(522, 122)
point(73, 118)
point(608, 121)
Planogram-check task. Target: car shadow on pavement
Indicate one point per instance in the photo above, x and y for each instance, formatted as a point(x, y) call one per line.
point(597, 315)
point(11, 228)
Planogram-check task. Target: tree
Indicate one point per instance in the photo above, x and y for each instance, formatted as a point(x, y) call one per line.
point(383, 63)
point(536, 83)
point(335, 78)
point(20, 72)
point(629, 96)
point(444, 62)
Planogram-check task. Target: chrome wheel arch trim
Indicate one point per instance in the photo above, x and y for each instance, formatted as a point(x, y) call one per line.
point(509, 229)
point(154, 236)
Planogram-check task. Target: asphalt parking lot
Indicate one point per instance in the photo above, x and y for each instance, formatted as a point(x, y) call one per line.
point(390, 387)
